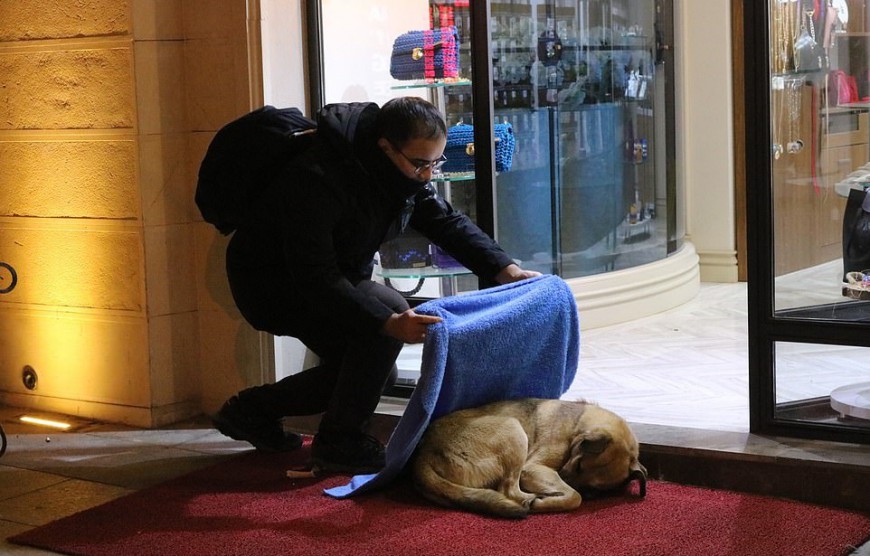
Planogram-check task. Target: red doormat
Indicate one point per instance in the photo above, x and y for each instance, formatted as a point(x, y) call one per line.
point(247, 506)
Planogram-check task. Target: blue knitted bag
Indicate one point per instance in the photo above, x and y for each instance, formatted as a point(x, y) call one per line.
point(460, 148)
point(430, 54)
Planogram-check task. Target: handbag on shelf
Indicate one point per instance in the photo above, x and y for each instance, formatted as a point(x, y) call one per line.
point(842, 88)
point(410, 249)
point(429, 54)
point(808, 54)
point(460, 148)
point(442, 259)
point(856, 233)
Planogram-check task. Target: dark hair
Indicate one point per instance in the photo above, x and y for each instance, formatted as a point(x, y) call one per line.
point(405, 118)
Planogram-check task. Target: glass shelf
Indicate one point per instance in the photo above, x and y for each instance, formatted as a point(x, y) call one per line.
point(421, 272)
point(432, 84)
point(453, 177)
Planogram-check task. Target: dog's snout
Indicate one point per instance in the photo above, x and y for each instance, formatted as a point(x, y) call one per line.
point(591, 492)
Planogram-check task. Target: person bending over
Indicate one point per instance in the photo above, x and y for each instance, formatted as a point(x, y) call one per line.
point(301, 265)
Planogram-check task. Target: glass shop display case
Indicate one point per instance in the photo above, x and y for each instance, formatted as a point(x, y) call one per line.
point(808, 167)
point(560, 119)
point(582, 84)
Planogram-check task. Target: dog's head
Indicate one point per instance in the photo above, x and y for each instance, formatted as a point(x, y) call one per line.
point(603, 457)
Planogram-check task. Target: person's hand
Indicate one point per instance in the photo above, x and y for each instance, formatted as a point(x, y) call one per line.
point(409, 326)
point(513, 273)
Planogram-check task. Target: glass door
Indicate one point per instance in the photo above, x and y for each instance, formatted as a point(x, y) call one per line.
point(809, 221)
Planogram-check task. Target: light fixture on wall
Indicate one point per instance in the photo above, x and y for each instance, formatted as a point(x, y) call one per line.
point(29, 377)
point(51, 423)
point(30, 380)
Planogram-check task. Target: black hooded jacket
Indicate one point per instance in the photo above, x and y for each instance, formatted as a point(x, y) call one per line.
point(313, 234)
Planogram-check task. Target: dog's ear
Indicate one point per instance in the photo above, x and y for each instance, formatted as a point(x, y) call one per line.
point(589, 442)
point(585, 443)
point(595, 442)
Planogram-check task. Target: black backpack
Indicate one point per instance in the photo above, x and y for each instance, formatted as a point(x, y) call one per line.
point(244, 156)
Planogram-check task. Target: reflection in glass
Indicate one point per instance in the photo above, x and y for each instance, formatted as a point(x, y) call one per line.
point(819, 383)
point(580, 85)
point(819, 155)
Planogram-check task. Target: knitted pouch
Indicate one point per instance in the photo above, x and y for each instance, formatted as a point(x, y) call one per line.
point(430, 54)
point(460, 148)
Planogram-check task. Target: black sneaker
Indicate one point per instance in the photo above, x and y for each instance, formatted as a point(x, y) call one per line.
point(354, 453)
point(264, 434)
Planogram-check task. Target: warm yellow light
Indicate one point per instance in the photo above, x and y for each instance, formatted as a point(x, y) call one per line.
point(44, 422)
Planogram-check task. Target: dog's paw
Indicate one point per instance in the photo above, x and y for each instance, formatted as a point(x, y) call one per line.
point(540, 496)
point(555, 502)
point(528, 501)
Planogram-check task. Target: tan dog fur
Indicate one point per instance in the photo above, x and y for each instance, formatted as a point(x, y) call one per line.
point(512, 458)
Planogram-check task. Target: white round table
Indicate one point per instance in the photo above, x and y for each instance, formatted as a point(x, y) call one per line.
point(852, 400)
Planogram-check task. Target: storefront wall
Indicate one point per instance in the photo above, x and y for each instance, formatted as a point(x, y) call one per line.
point(184, 68)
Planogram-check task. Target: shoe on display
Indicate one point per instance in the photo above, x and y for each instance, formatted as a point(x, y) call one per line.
point(234, 421)
point(352, 452)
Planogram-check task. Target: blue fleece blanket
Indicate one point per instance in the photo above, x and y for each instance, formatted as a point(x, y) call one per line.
point(520, 340)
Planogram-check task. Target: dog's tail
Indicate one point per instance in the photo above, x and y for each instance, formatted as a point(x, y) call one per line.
point(438, 489)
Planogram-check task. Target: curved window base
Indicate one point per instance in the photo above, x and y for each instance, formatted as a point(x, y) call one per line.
point(641, 291)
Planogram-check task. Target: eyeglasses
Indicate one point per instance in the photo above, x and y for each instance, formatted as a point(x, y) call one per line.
point(421, 165)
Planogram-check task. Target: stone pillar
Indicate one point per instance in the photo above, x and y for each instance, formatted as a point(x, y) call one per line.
point(105, 111)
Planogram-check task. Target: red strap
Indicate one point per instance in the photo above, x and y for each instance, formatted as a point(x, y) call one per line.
point(428, 55)
point(448, 53)
point(445, 14)
point(853, 88)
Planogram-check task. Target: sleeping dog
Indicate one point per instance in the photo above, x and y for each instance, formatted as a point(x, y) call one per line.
point(512, 458)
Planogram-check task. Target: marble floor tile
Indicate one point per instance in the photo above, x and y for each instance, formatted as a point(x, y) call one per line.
point(62, 499)
point(686, 367)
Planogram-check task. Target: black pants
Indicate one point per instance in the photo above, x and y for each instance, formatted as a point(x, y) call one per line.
point(348, 383)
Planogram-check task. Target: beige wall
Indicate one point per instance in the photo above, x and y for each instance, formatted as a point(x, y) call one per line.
point(223, 81)
point(106, 109)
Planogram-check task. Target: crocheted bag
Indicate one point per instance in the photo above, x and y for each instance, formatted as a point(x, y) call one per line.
point(460, 148)
point(430, 54)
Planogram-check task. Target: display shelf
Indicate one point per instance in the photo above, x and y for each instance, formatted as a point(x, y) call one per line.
point(438, 83)
point(630, 229)
point(797, 73)
point(421, 272)
point(453, 177)
point(447, 278)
